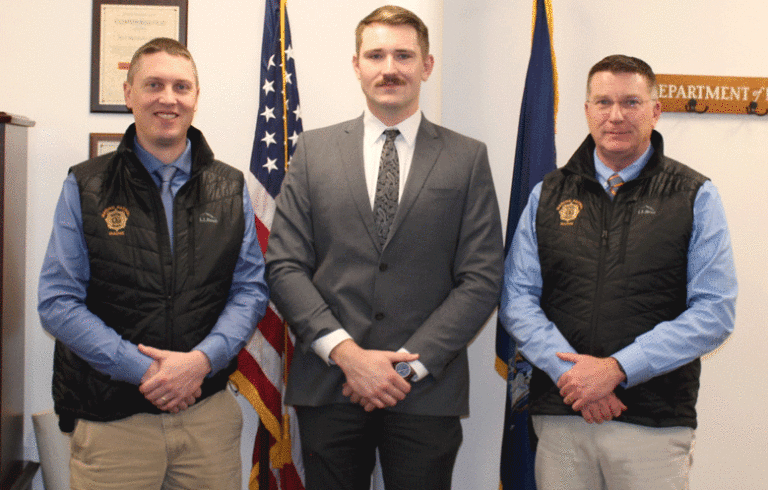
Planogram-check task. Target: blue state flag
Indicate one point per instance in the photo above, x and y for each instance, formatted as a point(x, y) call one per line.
point(534, 158)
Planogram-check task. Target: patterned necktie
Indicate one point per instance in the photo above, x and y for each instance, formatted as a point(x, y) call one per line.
point(166, 174)
point(387, 186)
point(614, 182)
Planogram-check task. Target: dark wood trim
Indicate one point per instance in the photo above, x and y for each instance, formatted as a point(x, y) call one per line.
point(23, 480)
point(15, 120)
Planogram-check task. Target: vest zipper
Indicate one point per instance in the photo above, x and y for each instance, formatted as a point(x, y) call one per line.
point(625, 231)
point(170, 287)
point(168, 278)
point(191, 241)
point(600, 276)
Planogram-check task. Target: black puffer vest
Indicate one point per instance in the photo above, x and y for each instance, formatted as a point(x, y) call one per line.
point(136, 286)
point(613, 270)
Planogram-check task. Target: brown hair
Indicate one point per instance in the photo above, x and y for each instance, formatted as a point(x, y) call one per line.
point(619, 63)
point(160, 44)
point(394, 16)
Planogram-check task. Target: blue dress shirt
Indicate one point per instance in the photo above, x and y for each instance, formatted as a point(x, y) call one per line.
point(711, 297)
point(66, 273)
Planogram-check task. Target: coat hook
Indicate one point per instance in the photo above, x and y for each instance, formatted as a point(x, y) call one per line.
point(691, 107)
point(752, 109)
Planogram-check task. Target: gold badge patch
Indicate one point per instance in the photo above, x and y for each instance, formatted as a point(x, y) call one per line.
point(116, 218)
point(569, 210)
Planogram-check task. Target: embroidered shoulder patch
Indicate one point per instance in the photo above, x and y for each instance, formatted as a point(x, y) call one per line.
point(116, 218)
point(569, 210)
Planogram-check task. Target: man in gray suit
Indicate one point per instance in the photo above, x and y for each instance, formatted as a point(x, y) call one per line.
point(385, 257)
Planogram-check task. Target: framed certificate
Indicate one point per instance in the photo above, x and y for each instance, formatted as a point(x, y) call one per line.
point(120, 27)
point(102, 143)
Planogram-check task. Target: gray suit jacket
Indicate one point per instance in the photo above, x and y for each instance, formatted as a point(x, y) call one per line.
point(430, 289)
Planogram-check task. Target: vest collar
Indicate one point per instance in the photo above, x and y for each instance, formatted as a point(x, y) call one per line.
point(583, 163)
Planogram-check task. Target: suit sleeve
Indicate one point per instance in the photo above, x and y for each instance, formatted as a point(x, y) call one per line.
point(291, 257)
point(477, 272)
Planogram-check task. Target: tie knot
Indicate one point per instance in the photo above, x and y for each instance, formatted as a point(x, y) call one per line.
point(391, 134)
point(166, 172)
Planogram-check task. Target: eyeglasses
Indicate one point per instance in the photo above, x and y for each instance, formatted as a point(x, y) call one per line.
point(628, 105)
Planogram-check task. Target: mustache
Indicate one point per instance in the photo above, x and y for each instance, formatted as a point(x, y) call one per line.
point(390, 80)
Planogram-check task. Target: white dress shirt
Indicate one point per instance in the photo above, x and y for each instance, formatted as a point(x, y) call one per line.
point(373, 142)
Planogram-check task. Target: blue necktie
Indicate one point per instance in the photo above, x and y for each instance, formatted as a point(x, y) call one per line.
point(166, 174)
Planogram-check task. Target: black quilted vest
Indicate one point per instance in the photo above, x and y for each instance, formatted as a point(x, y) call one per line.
point(136, 286)
point(612, 270)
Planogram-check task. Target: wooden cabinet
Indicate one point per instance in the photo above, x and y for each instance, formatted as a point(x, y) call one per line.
point(14, 472)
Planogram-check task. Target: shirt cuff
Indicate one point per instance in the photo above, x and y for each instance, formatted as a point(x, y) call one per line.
point(420, 371)
point(558, 369)
point(325, 344)
point(635, 364)
point(212, 347)
point(134, 363)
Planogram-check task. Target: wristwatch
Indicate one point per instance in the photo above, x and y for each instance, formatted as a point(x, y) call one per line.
point(405, 370)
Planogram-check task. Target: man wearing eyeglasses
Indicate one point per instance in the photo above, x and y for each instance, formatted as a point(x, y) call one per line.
point(619, 279)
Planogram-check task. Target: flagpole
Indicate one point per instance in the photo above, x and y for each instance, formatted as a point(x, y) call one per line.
point(285, 444)
point(283, 68)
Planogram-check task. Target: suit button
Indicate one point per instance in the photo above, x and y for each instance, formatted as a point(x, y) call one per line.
point(383, 267)
point(379, 316)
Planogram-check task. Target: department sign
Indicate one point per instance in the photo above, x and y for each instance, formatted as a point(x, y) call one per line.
point(713, 94)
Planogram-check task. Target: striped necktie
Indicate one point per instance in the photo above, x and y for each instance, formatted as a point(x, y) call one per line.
point(614, 182)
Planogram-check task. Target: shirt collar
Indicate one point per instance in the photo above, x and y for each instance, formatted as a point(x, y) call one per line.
point(152, 163)
point(374, 128)
point(603, 172)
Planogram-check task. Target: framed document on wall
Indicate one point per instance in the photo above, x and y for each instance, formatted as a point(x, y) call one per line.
point(120, 27)
point(102, 143)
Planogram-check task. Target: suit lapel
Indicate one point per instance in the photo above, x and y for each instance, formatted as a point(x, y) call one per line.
point(351, 155)
point(428, 147)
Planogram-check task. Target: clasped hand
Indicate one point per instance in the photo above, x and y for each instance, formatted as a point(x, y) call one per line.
point(371, 380)
point(588, 386)
point(174, 380)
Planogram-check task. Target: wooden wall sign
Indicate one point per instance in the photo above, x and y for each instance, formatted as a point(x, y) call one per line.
point(711, 94)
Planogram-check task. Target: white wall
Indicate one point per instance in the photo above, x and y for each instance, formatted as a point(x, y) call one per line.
point(477, 89)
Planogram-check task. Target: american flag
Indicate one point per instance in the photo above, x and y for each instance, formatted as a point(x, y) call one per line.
point(263, 363)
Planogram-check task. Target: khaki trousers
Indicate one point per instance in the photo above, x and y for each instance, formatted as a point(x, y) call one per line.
point(198, 448)
point(575, 455)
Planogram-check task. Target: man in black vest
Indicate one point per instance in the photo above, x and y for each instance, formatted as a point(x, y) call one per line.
point(619, 279)
point(152, 283)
